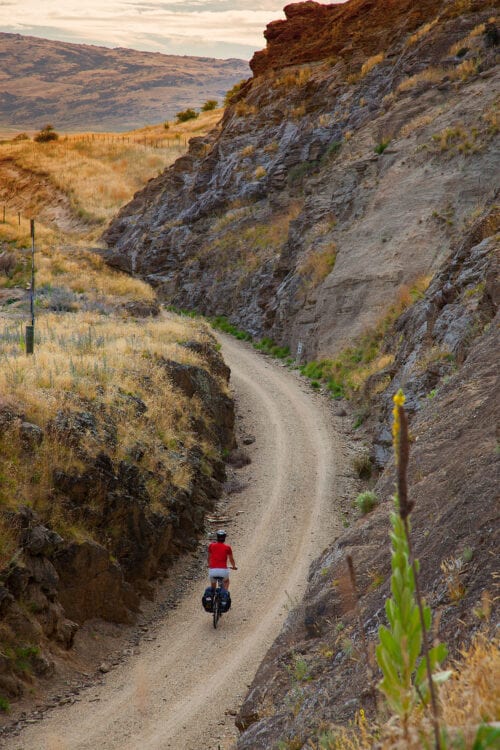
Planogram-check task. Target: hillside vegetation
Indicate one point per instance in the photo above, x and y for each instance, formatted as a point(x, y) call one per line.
point(111, 434)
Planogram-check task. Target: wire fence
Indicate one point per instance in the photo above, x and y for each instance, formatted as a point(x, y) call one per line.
point(166, 141)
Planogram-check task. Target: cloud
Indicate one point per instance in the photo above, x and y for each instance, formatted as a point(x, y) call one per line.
point(195, 27)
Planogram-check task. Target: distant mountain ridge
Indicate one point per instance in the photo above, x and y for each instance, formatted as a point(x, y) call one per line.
point(85, 87)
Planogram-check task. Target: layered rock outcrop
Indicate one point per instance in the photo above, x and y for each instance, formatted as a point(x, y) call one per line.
point(454, 403)
point(330, 183)
point(134, 521)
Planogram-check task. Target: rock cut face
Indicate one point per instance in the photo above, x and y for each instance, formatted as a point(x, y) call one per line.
point(341, 174)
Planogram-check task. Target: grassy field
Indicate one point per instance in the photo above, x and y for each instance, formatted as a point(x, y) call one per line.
point(96, 172)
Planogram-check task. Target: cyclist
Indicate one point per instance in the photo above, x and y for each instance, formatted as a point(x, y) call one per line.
point(218, 554)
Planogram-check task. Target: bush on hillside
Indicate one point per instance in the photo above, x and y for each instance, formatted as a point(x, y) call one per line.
point(366, 502)
point(21, 137)
point(186, 114)
point(46, 134)
point(228, 99)
point(209, 105)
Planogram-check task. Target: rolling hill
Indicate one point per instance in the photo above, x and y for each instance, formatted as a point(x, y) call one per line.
point(82, 87)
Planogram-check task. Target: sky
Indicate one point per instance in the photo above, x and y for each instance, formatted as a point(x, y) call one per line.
point(208, 28)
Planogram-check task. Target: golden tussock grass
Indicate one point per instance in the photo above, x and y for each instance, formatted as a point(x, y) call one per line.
point(430, 75)
point(243, 109)
point(81, 274)
point(101, 171)
point(293, 78)
point(247, 151)
point(102, 365)
point(316, 266)
point(470, 698)
point(245, 247)
point(421, 32)
point(86, 272)
point(367, 66)
point(418, 123)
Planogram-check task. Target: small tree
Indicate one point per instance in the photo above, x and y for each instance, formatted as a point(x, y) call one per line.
point(186, 114)
point(46, 134)
point(209, 105)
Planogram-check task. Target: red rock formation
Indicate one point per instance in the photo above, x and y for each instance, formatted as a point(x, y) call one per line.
point(353, 30)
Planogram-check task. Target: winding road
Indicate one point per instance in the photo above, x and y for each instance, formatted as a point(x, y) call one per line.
point(182, 690)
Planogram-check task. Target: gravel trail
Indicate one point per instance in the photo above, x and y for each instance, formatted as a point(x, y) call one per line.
point(184, 687)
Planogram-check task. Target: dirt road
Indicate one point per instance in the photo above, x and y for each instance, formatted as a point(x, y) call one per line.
point(181, 690)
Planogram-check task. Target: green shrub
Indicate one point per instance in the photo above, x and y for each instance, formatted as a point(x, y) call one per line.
point(221, 323)
point(299, 171)
point(46, 134)
point(230, 95)
point(4, 704)
point(186, 114)
point(366, 502)
point(268, 346)
point(209, 105)
point(381, 147)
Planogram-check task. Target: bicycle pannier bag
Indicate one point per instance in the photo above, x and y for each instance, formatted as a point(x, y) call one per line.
point(225, 600)
point(208, 599)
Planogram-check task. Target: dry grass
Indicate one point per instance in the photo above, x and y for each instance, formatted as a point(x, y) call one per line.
point(293, 79)
point(245, 247)
point(298, 112)
point(85, 272)
point(429, 75)
point(470, 698)
point(472, 695)
point(101, 172)
point(247, 151)
point(421, 32)
point(94, 364)
point(316, 266)
point(418, 123)
point(242, 109)
point(367, 66)
point(72, 279)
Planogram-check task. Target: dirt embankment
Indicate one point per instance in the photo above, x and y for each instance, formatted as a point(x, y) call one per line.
point(33, 194)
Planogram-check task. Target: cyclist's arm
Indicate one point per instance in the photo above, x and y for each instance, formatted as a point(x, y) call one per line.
point(231, 560)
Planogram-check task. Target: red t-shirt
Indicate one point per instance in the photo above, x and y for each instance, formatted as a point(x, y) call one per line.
point(218, 552)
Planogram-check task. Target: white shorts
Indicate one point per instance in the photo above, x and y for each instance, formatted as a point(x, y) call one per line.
point(214, 573)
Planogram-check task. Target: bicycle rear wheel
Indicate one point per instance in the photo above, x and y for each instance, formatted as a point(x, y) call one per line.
point(216, 613)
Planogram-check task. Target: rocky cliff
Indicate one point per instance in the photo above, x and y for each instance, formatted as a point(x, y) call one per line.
point(344, 169)
point(444, 348)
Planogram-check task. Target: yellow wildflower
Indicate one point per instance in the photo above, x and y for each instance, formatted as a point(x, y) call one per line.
point(399, 398)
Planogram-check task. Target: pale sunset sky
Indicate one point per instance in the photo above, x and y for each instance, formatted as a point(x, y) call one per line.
point(210, 28)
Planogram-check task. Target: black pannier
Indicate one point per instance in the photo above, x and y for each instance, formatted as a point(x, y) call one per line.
point(225, 601)
point(208, 599)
